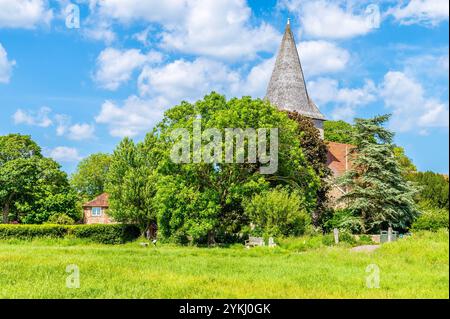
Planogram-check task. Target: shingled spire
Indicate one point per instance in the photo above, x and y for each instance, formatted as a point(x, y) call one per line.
point(287, 87)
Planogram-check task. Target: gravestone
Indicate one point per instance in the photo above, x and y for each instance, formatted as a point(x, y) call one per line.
point(336, 236)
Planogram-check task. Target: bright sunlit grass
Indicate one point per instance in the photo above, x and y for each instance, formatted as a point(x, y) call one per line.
point(416, 267)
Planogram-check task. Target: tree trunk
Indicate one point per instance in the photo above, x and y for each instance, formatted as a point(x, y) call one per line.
point(5, 213)
point(211, 239)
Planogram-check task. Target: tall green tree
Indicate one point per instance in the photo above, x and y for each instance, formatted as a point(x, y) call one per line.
point(131, 182)
point(32, 187)
point(315, 151)
point(377, 190)
point(90, 177)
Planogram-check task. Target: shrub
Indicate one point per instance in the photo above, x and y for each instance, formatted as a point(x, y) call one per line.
point(433, 189)
point(328, 240)
point(365, 240)
point(346, 237)
point(26, 232)
point(105, 234)
point(432, 219)
point(277, 212)
point(60, 219)
point(345, 220)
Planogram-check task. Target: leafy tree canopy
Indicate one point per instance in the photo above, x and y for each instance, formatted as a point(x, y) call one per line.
point(90, 177)
point(14, 146)
point(32, 187)
point(339, 132)
point(203, 201)
point(404, 161)
point(433, 189)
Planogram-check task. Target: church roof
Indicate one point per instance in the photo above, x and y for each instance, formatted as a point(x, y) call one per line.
point(287, 87)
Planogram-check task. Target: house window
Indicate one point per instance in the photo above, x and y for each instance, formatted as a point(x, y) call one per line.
point(96, 211)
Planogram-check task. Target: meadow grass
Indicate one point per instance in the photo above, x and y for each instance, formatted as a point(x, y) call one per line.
point(415, 267)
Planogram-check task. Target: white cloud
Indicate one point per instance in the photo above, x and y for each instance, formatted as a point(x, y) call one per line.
point(221, 29)
point(39, 118)
point(6, 65)
point(428, 12)
point(100, 33)
point(161, 87)
point(115, 67)
point(143, 36)
point(429, 67)
point(76, 132)
point(43, 118)
point(258, 79)
point(80, 132)
point(127, 11)
point(24, 13)
point(332, 19)
point(185, 80)
point(135, 116)
point(65, 154)
point(345, 100)
point(319, 57)
point(410, 107)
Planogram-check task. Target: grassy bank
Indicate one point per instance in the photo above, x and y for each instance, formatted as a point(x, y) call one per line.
point(415, 267)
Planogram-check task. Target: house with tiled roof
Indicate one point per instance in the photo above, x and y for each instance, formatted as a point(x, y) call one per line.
point(96, 211)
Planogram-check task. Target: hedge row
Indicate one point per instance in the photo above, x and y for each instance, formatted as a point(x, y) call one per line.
point(105, 234)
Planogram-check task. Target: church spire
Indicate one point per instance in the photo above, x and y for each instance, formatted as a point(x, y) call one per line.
point(287, 87)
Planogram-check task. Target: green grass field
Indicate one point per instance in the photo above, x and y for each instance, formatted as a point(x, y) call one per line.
point(416, 267)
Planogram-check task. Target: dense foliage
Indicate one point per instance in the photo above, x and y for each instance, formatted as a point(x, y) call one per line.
point(431, 219)
point(277, 213)
point(105, 234)
point(132, 180)
point(32, 187)
point(377, 189)
point(405, 162)
point(60, 219)
point(433, 189)
point(90, 177)
point(315, 151)
point(338, 131)
point(343, 219)
point(201, 201)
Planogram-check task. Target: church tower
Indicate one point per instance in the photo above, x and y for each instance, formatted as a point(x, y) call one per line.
point(287, 87)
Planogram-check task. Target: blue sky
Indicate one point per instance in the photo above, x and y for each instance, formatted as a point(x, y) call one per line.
point(79, 91)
